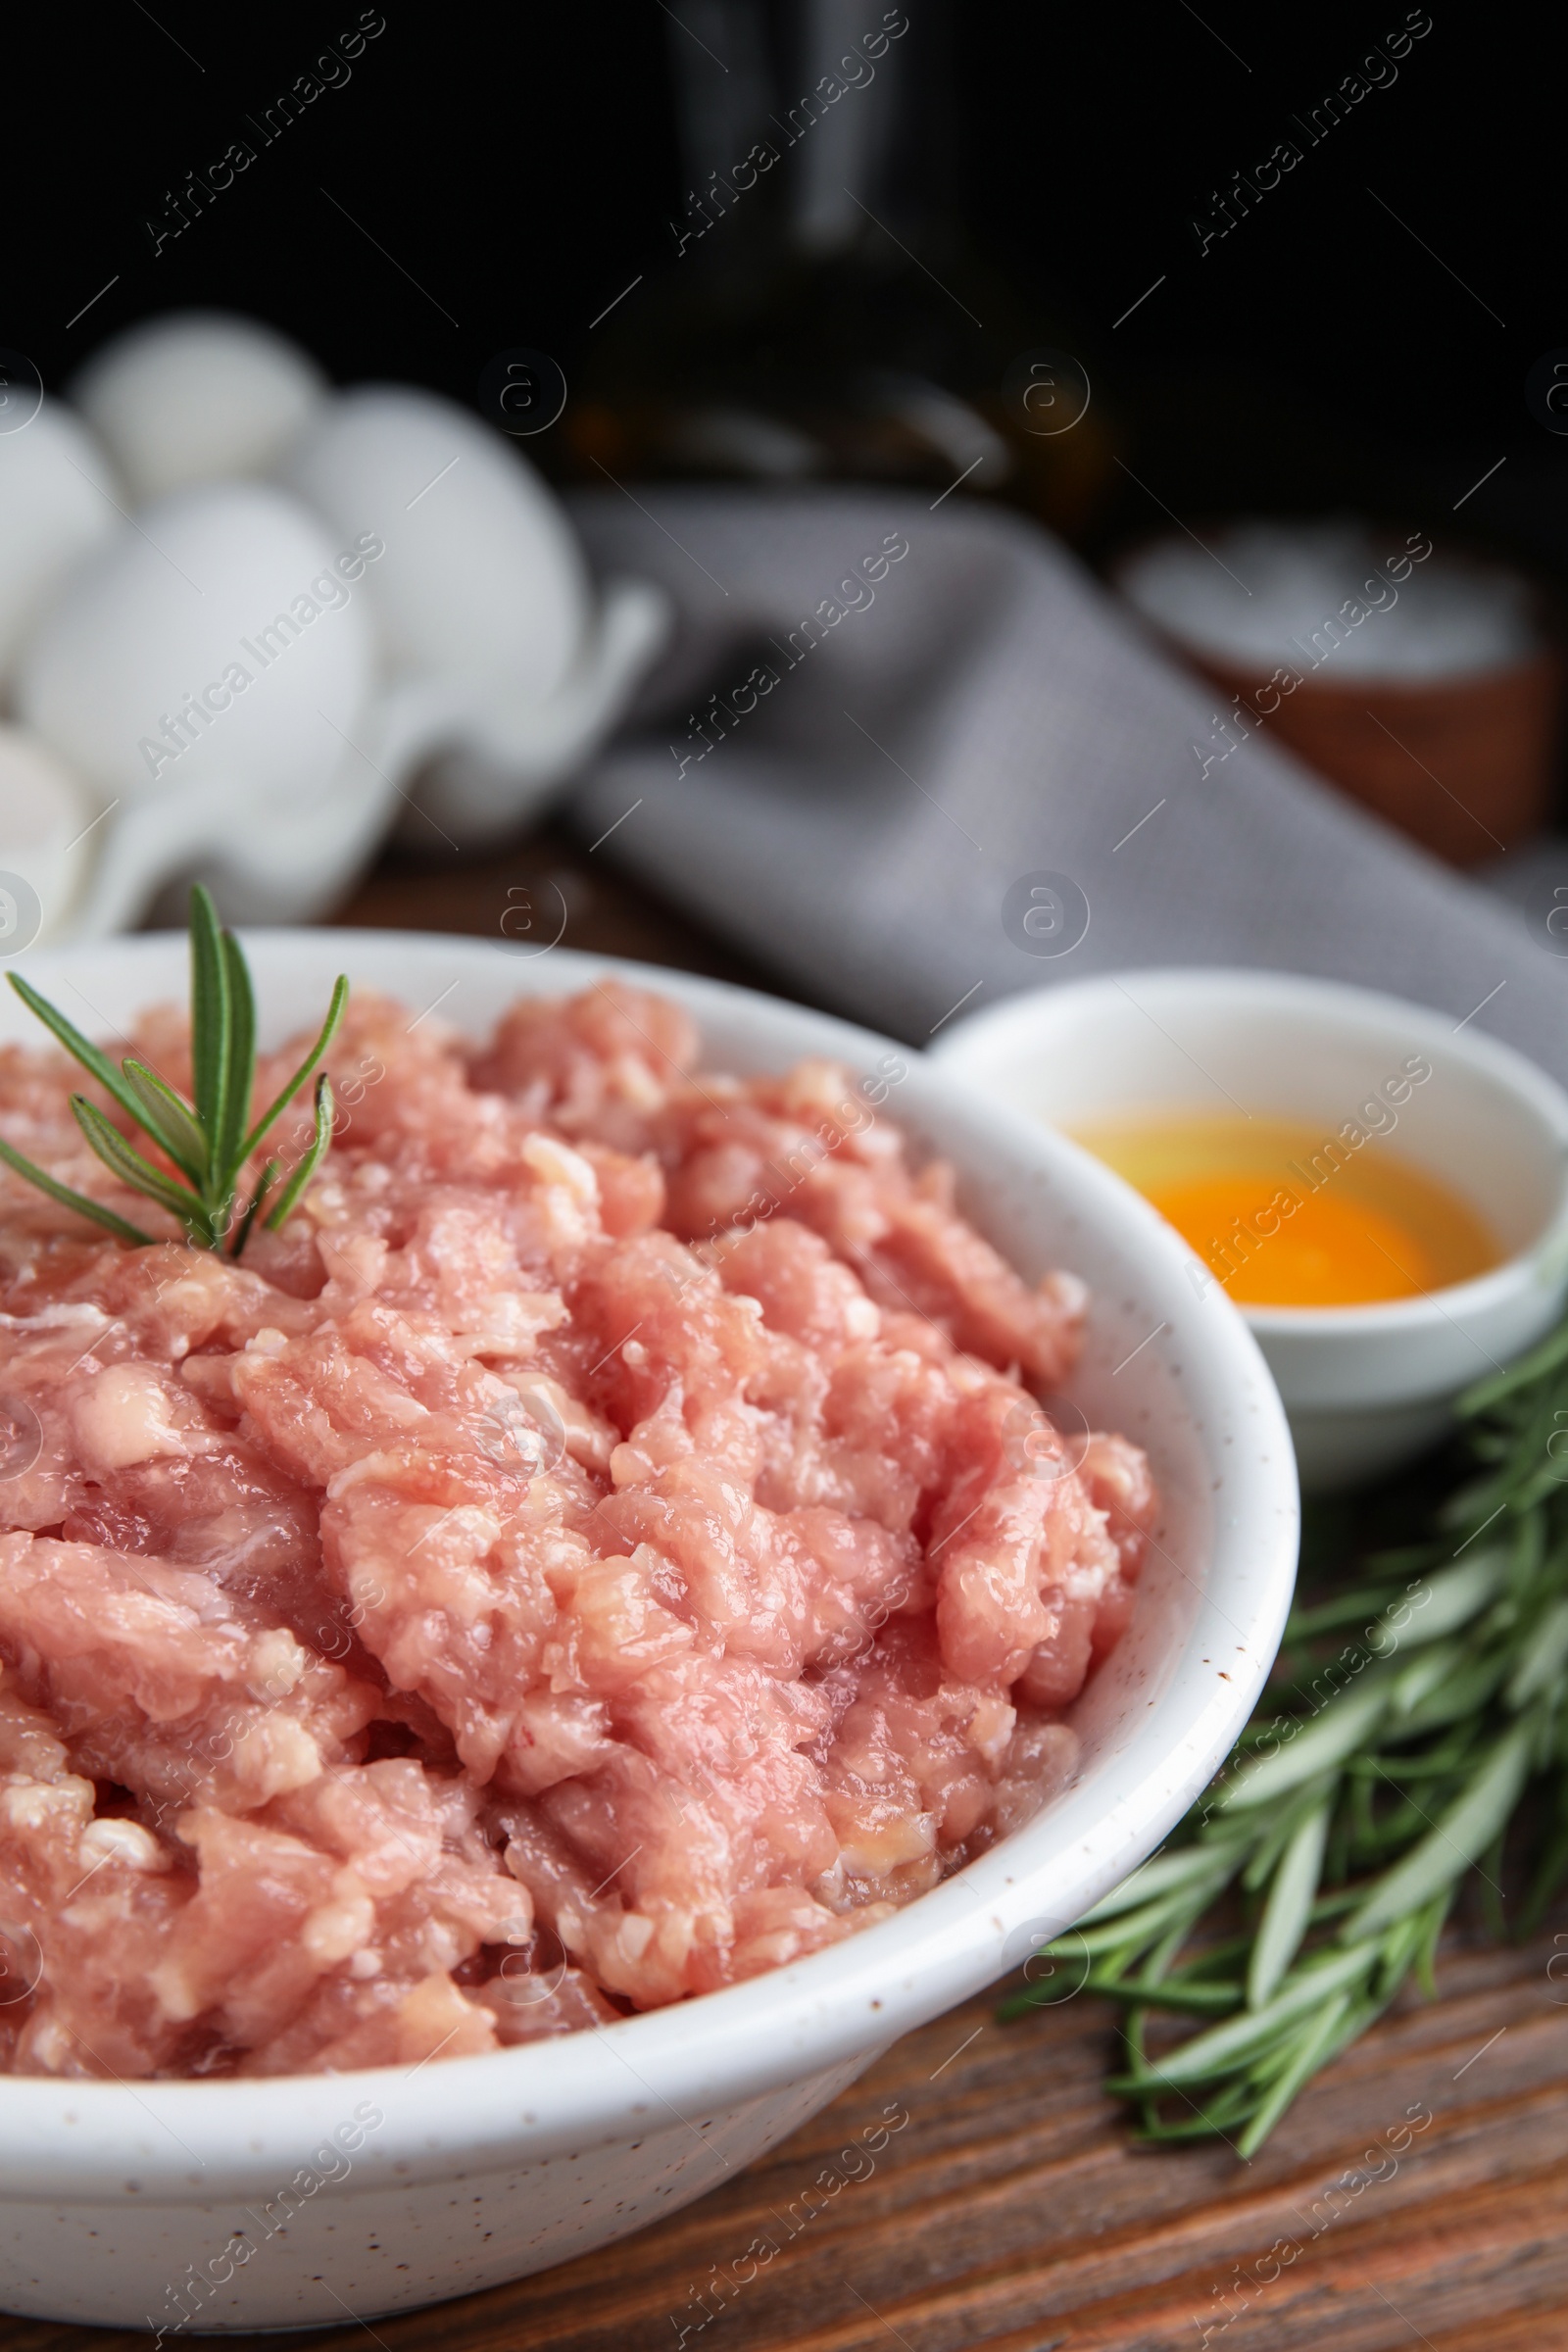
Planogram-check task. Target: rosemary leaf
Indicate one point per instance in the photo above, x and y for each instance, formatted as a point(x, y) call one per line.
point(1546, 1358)
point(124, 1161)
point(1426, 1673)
point(1439, 1604)
point(97, 1064)
point(1289, 1910)
point(1543, 1660)
point(1364, 1607)
point(212, 1016)
point(121, 1227)
point(1167, 1993)
point(1310, 2049)
point(227, 1155)
point(1341, 1727)
point(1217, 2052)
point(281, 1103)
point(167, 1120)
point(1159, 1876)
point(1457, 1840)
point(1465, 1691)
point(1270, 1845)
point(264, 1185)
point(312, 1161)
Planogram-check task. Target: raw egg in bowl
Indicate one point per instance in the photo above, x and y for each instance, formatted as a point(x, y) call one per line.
point(1385, 1196)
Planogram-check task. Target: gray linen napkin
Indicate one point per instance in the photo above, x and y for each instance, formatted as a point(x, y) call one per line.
point(904, 745)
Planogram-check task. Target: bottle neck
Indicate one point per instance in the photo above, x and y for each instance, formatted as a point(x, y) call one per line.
point(831, 118)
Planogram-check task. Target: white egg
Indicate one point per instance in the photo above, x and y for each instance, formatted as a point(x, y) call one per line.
point(56, 499)
point(224, 640)
point(48, 842)
point(196, 397)
point(482, 575)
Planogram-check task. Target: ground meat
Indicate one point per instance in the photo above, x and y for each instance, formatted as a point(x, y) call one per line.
point(607, 1546)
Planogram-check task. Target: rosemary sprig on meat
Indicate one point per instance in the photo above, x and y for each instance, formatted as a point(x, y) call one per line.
point(208, 1139)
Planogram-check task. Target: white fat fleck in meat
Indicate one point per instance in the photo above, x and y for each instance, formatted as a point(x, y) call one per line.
point(569, 1187)
point(124, 1414)
point(276, 1662)
point(122, 1841)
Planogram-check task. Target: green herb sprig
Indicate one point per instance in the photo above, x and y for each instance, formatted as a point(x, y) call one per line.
point(1382, 1771)
point(206, 1140)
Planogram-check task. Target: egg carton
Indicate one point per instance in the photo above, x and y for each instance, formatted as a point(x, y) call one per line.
point(247, 625)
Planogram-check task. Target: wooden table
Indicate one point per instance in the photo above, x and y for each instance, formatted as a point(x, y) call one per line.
point(1417, 2194)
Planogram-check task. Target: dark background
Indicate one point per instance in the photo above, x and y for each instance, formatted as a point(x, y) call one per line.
point(521, 166)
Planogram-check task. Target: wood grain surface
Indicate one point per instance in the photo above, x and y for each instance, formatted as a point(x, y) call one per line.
point(977, 2188)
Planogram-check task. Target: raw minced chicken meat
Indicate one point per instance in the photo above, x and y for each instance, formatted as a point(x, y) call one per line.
point(597, 1551)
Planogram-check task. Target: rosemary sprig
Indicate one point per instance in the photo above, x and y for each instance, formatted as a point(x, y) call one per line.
point(1382, 1771)
point(206, 1140)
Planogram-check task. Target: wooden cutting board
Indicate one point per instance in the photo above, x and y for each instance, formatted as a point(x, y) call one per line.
point(977, 2188)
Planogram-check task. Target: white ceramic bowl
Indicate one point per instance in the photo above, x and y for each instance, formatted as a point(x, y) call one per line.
point(483, 2168)
point(1365, 1387)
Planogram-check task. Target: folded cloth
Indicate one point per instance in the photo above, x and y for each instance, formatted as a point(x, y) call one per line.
point(882, 725)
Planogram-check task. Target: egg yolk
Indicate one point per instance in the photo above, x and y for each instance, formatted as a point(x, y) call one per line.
point(1283, 1220)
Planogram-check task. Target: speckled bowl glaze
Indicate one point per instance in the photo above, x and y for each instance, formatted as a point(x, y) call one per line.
point(309, 2200)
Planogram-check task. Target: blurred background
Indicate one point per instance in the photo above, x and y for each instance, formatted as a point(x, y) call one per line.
point(1370, 327)
point(508, 173)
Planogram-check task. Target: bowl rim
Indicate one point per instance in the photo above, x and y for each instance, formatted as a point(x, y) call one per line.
point(1543, 656)
point(80, 2139)
point(1533, 1089)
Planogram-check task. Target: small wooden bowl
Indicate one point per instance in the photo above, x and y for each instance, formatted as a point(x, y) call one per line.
point(1466, 766)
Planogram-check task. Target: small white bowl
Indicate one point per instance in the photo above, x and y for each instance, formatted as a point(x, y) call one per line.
point(484, 2169)
point(1365, 1387)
